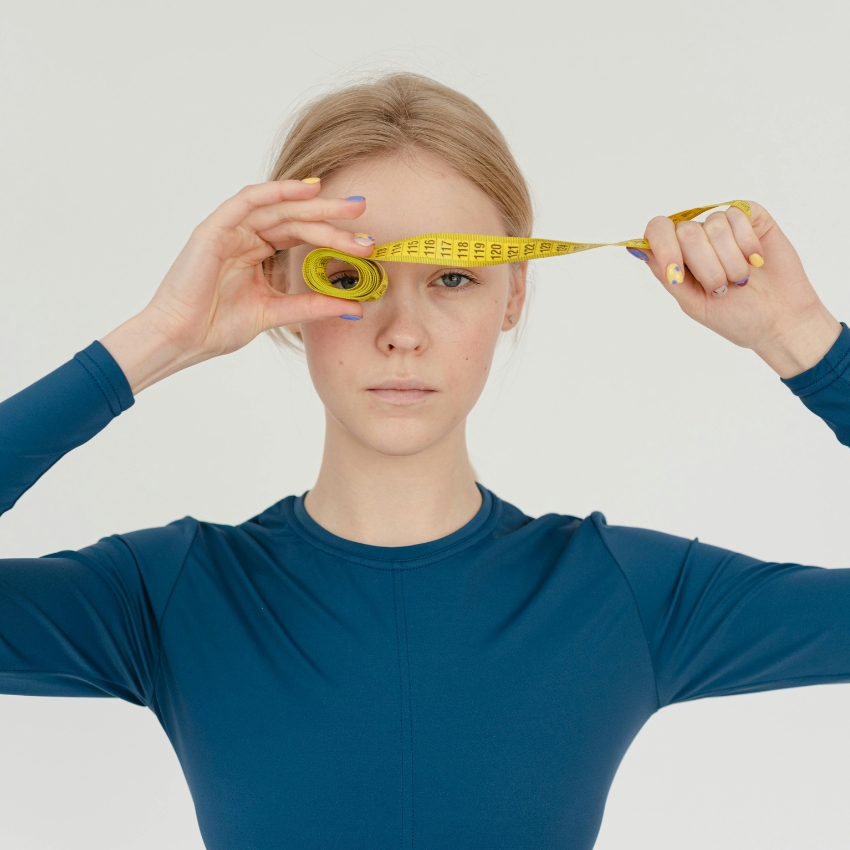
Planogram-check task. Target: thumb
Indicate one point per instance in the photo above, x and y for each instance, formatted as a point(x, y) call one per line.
point(285, 309)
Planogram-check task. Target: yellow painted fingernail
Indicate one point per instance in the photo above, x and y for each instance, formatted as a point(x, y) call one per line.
point(756, 260)
point(675, 273)
point(311, 180)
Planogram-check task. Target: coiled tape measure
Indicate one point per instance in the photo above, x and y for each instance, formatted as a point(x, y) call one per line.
point(462, 249)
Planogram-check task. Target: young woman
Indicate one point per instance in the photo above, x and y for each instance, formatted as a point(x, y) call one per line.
point(398, 657)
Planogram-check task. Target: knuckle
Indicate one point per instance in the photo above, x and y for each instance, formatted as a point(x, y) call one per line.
point(716, 219)
point(299, 213)
point(657, 223)
point(207, 232)
point(714, 280)
point(688, 231)
point(714, 226)
point(315, 306)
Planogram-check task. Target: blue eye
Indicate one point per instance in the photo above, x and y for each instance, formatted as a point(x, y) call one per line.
point(453, 280)
point(344, 280)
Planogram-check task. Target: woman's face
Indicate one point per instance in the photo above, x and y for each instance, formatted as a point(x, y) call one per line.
point(434, 323)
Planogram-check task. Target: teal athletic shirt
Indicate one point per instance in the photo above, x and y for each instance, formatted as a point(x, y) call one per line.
point(474, 692)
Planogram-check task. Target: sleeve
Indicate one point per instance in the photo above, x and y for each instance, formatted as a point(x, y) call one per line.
point(719, 622)
point(80, 623)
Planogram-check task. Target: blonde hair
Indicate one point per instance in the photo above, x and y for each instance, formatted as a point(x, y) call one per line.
point(396, 113)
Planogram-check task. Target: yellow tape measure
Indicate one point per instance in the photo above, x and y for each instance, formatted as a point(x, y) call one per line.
point(461, 249)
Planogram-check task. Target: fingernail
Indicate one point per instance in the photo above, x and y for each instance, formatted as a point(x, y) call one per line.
point(675, 274)
point(639, 254)
point(756, 260)
point(346, 316)
point(721, 291)
point(356, 198)
point(312, 180)
point(363, 239)
point(741, 282)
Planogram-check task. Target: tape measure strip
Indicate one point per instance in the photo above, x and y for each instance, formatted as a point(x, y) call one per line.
point(462, 249)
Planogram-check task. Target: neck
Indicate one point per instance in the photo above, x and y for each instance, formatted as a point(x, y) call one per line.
point(393, 500)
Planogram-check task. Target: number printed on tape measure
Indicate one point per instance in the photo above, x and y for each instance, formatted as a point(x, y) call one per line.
point(469, 249)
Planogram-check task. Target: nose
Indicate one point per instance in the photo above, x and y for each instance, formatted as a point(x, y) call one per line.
point(400, 313)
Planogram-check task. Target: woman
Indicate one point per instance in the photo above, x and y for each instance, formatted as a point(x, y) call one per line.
point(398, 657)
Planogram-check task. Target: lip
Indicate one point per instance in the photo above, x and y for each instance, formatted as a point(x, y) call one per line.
point(398, 383)
point(397, 396)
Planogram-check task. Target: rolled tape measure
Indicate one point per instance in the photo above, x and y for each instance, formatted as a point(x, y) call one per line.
point(460, 249)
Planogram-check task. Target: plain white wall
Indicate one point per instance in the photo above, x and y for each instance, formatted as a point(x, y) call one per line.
point(124, 124)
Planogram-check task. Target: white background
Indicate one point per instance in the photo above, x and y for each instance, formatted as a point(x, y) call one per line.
point(123, 125)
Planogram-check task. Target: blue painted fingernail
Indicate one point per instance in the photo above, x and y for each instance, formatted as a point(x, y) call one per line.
point(639, 254)
point(741, 282)
point(346, 316)
point(356, 198)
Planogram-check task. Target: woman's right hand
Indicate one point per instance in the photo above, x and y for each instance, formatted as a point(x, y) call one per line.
point(215, 298)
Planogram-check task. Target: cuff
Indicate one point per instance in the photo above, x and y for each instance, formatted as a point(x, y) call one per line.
point(834, 365)
point(107, 374)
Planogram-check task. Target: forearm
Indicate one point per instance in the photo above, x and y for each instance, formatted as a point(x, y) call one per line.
point(145, 354)
point(803, 346)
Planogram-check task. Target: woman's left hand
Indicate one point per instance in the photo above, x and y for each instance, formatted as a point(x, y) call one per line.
point(777, 300)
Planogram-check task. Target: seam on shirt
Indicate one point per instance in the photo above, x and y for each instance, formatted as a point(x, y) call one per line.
point(165, 609)
point(97, 383)
point(167, 605)
point(637, 611)
point(119, 686)
point(410, 716)
point(401, 706)
point(442, 555)
point(836, 375)
point(770, 684)
point(107, 379)
point(432, 559)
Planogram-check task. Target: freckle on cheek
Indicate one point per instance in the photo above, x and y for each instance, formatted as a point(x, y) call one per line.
point(340, 362)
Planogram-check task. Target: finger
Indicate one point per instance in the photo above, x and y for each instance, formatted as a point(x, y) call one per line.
point(284, 309)
point(665, 257)
point(701, 259)
point(760, 219)
point(721, 237)
point(288, 234)
point(745, 234)
point(312, 209)
point(234, 210)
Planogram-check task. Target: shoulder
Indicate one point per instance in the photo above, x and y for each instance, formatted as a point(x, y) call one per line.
point(632, 546)
point(154, 556)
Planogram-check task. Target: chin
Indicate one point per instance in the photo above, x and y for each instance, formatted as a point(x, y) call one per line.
point(397, 437)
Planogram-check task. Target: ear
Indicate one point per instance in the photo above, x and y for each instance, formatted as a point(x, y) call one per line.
point(516, 292)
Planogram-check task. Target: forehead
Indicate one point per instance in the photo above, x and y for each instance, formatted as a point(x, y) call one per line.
point(410, 194)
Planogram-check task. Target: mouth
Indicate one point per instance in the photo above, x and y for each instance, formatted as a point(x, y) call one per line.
point(400, 396)
point(401, 389)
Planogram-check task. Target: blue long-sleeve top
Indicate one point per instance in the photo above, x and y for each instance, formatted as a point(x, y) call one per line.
point(475, 691)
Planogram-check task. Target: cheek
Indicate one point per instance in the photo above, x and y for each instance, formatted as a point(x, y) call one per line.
point(470, 354)
point(330, 352)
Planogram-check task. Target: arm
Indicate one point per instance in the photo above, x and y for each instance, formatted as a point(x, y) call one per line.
point(86, 623)
point(719, 622)
point(79, 623)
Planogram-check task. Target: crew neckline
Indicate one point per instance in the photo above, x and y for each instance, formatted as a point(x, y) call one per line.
point(393, 557)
